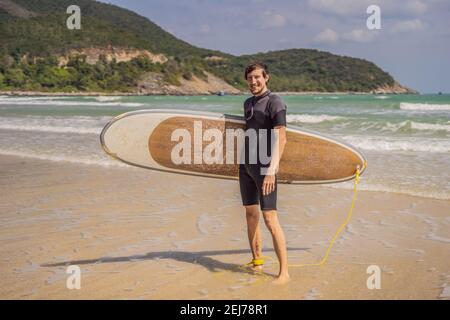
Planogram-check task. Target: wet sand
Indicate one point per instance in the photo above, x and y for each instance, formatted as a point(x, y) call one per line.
point(141, 234)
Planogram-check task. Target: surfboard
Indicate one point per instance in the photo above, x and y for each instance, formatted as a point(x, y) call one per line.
point(151, 139)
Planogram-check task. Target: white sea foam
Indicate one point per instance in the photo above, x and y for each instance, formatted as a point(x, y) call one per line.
point(417, 251)
point(64, 158)
point(51, 129)
point(32, 98)
point(433, 234)
point(424, 106)
point(390, 144)
point(312, 294)
point(108, 98)
point(400, 126)
point(445, 294)
point(310, 118)
point(430, 126)
point(80, 125)
point(392, 188)
point(57, 102)
point(207, 224)
point(381, 97)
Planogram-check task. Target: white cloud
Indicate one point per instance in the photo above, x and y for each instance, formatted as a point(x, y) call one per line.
point(205, 29)
point(327, 36)
point(278, 20)
point(358, 7)
point(284, 41)
point(361, 35)
point(272, 20)
point(340, 7)
point(408, 26)
point(416, 6)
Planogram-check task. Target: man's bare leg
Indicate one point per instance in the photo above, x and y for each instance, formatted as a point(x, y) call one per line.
point(254, 232)
point(279, 243)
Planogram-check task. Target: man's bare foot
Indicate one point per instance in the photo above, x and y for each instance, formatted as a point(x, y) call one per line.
point(257, 268)
point(282, 279)
point(257, 264)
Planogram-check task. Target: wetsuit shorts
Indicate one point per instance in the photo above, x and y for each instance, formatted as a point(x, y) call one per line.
point(251, 182)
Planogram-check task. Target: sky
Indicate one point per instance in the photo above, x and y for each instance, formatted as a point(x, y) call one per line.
point(413, 44)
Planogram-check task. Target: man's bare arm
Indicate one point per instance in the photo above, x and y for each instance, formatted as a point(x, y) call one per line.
point(280, 143)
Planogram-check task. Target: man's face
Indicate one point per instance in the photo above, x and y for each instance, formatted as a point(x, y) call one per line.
point(256, 82)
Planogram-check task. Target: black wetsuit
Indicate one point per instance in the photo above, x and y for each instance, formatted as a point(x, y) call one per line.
point(264, 112)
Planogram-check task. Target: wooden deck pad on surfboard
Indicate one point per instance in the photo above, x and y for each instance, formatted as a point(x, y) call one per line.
point(145, 138)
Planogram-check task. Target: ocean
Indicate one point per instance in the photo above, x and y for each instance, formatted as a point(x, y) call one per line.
point(405, 138)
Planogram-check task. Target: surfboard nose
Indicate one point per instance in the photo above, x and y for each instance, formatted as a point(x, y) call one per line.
point(125, 137)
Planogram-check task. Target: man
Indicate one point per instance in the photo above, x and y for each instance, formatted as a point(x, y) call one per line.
point(258, 181)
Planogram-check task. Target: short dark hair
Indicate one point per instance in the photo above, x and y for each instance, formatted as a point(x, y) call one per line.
point(256, 65)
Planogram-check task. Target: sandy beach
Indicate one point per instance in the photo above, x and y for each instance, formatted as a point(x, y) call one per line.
point(141, 234)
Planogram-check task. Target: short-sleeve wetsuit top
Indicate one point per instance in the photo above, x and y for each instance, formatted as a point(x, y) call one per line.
point(263, 112)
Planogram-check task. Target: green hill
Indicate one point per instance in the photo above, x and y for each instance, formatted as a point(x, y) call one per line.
point(33, 36)
point(102, 24)
point(311, 70)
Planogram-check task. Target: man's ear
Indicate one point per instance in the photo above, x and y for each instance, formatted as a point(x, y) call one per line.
point(267, 78)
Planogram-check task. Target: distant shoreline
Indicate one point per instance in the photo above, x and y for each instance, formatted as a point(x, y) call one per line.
point(97, 94)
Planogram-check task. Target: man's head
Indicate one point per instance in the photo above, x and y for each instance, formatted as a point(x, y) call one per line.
point(257, 76)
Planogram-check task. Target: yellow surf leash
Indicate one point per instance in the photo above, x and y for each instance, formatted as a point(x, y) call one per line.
point(260, 261)
point(342, 226)
point(338, 232)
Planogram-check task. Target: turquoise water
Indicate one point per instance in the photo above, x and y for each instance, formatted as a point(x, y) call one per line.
point(406, 138)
